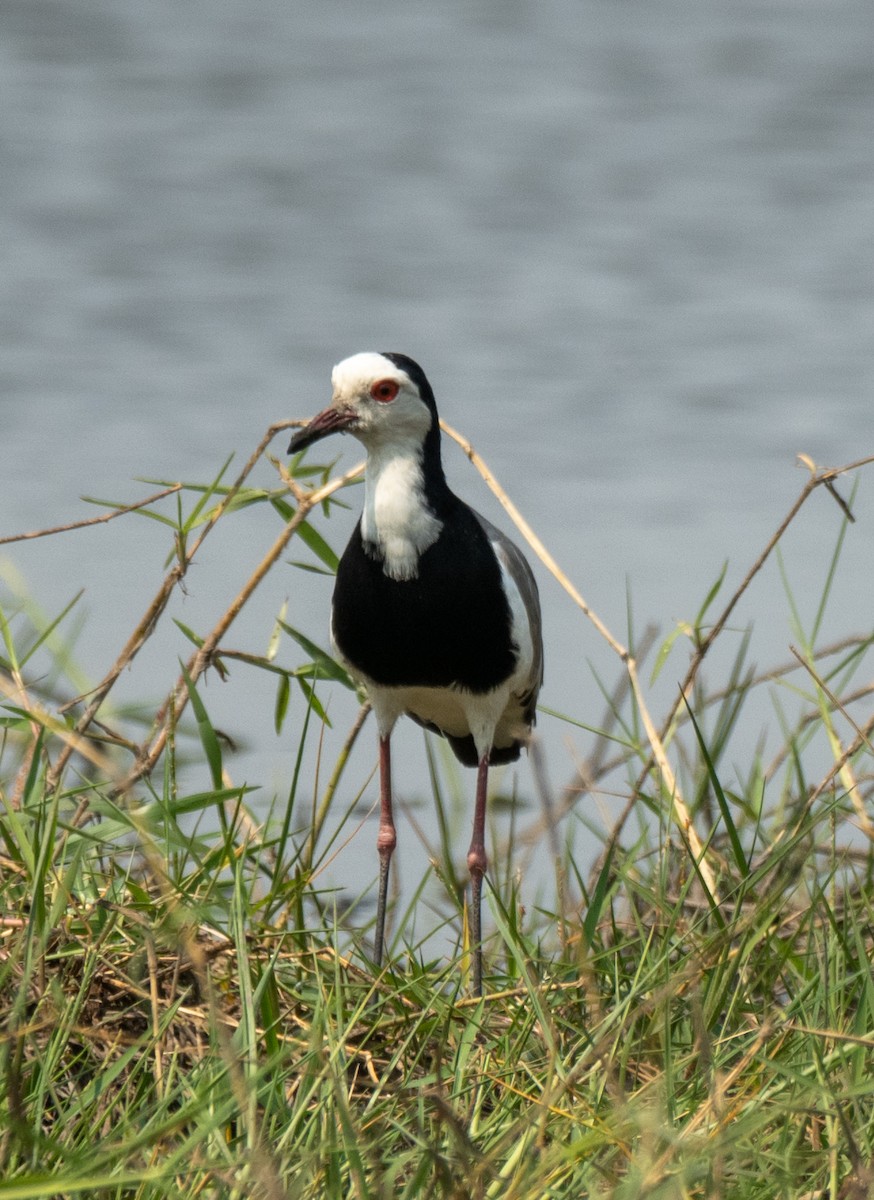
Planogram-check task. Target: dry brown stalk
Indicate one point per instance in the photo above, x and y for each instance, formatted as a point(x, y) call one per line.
point(101, 520)
point(40, 716)
point(202, 657)
point(844, 769)
point(817, 478)
point(668, 780)
point(150, 619)
point(147, 624)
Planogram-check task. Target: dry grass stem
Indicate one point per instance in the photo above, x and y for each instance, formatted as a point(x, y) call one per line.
point(202, 657)
point(668, 781)
point(845, 770)
point(153, 613)
point(122, 511)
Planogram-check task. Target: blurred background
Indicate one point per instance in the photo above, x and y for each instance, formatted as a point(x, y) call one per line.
point(630, 242)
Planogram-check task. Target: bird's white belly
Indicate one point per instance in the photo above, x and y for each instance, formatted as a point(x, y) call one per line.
point(492, 718)
point(446, 709)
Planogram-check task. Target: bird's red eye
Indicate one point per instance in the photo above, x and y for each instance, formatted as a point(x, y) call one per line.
point(385, 390)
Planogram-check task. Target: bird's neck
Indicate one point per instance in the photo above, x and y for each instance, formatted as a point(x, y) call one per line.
point(403, 496)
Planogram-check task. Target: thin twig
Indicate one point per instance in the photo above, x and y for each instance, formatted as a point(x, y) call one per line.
point(817, 478)
point(40, 716)
point(148, 622)
point(202, 657)
point(669, 781)
point(101, 520)
point(807, 719)
point(843, 760)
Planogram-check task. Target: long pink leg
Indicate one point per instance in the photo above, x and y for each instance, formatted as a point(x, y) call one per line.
point(386, 841)
point(477, 864)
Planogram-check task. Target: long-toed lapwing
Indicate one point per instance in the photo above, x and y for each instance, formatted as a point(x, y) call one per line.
point(435, 611)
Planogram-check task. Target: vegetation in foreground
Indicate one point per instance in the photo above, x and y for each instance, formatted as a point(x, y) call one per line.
point(185, 1013)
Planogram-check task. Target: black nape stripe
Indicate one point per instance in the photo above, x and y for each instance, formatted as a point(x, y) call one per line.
point(416, 374)
point(436, 487)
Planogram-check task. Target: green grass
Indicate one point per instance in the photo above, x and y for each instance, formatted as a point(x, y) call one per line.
point(187, 1012)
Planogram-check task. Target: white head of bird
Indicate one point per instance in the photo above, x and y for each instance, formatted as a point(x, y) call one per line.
point(376, 401)
point(393, 416)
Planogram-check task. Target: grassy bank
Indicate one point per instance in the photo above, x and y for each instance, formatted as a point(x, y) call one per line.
point(185, 1012)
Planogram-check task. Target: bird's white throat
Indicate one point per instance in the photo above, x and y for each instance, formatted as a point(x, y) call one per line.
point(397, 523)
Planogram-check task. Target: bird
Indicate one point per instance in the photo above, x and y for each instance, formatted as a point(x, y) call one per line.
point(435, 611)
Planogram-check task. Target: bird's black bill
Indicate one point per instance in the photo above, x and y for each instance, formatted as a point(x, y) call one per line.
point(332, 420)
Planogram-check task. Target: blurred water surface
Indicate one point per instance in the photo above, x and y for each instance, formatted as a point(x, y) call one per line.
point(630, 243)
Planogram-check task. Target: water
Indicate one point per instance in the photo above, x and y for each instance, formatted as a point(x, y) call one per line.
point(629, 242)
